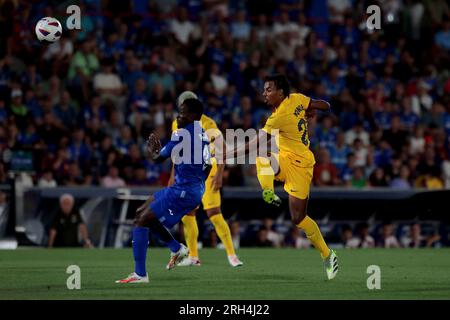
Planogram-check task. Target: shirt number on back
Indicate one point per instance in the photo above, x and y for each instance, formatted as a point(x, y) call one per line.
point(303, 128)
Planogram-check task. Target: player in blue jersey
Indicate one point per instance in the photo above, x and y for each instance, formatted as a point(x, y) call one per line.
point(189, 150)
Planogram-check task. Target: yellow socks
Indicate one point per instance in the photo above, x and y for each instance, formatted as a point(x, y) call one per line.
point(264, 173)
point(312, 232)
point(191, 234)
point(223, 231)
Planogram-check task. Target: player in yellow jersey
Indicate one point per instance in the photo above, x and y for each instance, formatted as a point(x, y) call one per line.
point(211, 199)
point(294, 163)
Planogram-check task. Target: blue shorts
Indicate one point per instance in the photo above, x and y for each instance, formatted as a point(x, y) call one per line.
point(173, 203)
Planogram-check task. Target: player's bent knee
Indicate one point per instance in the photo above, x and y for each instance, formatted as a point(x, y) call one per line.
point(212, 212)
point(192, 213)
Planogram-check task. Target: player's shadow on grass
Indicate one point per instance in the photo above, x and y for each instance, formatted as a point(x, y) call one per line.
point(273, 277)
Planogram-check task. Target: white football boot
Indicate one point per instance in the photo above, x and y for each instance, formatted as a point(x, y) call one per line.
point(134, 278)
point(177, 257)
point(331, 265)
point(234, 261)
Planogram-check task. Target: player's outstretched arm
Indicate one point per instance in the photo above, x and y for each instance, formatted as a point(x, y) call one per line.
point(250, 145)
point(316, 105)
point(319, 105)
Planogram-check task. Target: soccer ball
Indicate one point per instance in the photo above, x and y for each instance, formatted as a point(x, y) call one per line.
point(48, 29)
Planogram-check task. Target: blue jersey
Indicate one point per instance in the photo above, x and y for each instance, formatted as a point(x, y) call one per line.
point(189, 151)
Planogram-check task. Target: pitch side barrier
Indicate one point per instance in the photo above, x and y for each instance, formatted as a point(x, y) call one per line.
point(109, 212)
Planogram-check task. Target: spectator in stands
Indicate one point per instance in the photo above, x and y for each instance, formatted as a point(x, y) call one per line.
point(325, 173)
point(74, 176)
point(446, 173)
point(378, 178)
point(415, 238)
point(364, 237)
point(417, 141)
point(357, 131)
point(395, 136)
point(181, 27)
point(79, 151)
point(358, 179)
point(240, 28)
point(212, 240)
point(108, 85)
point(326, 133)
point(66, 225)
point(339, 151)
point(273, 236)
point(387, 238)
point(346, 173)
point(17, 109)
point(65, 111)
point(348, 240)
point(402, 181)
point(296, 239)
point(262, 238)
point(82, 67)
point(338, 9)
point(360, 152)
point(112, 180)
point(442, 38)
point(46, 180)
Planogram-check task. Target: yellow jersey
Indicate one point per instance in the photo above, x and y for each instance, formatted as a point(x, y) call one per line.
point(210, 126)
point(290, 121)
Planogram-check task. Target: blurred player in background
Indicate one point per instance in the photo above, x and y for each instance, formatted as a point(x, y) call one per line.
point(295, 162)
point(211, 199)
point(165, 208)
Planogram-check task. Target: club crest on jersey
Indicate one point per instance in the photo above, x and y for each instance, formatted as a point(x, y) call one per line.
point(298, 110)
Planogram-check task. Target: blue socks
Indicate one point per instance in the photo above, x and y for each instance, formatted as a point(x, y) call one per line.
point(140, 245)
point(161, 231)
point(174, 245)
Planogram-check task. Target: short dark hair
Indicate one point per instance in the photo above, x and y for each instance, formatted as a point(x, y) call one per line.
point(281, 82)
point(194, 106)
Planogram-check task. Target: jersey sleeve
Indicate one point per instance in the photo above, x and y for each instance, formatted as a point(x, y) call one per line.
point(304, 100)
point(273, 123)
point(166, 151)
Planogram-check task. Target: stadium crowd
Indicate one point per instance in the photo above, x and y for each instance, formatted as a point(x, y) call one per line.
point(85, 104)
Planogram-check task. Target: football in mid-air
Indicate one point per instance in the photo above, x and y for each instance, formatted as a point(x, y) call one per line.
point(48, 29)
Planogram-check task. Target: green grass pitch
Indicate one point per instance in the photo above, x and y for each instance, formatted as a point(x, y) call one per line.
point(267, 274)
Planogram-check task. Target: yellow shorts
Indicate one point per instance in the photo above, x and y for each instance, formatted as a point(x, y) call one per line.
point(297, 178)
point(211, 199)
